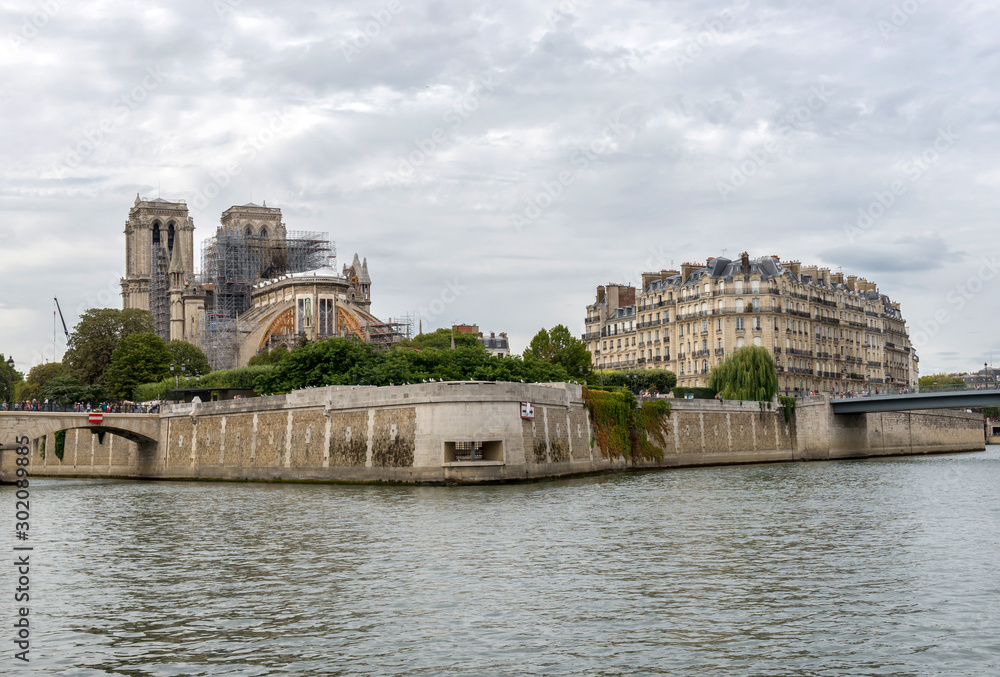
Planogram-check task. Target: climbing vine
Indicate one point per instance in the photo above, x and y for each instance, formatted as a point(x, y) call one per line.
point(60, 443)
point(789, 404)
point(622, 428)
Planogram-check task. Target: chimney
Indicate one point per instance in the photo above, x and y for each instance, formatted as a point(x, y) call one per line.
point(837, 277)
point(600, 293)
point(745, 260)
point(647, 278)
point(794, 267)
point(686, 270)
point(852, 281)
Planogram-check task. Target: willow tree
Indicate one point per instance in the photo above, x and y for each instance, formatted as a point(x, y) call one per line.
point(747, 374)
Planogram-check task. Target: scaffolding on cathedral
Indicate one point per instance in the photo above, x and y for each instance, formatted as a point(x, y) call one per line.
point(233, 263)
point(386, 334)
point(159, 294)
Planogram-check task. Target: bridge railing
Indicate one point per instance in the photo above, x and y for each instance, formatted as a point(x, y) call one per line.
point(112, 408)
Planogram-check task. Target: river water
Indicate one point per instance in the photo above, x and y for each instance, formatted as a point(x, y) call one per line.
point(875, 567)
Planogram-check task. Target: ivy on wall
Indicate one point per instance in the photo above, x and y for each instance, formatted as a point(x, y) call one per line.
point(622, 428)
point(60, 443)
point(789, 404)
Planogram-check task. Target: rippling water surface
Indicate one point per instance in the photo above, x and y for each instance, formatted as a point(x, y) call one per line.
point(885, 567)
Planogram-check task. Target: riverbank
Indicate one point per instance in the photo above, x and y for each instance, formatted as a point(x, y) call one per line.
point(466, 432)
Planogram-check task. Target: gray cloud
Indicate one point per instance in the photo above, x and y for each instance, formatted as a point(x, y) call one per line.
point(563, 70)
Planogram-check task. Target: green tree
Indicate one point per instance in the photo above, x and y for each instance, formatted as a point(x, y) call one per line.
point(137, 359)
point(37, 377)
point(94, 338)
point(189, 356)
point(9, 380)
point(941, 380)
point(440, 338)
point(66, 390)
point(747, 374)
point(559, 346)
point(273, 356)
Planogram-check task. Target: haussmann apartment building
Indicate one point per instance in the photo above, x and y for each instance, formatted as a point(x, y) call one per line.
point(827, 332)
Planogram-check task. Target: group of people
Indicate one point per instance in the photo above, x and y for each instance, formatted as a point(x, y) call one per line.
point(85, 407)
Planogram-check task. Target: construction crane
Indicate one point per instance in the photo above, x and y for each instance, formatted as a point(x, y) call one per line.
point(61, 317)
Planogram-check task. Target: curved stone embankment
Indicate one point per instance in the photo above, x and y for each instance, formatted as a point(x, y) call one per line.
point(458, 432)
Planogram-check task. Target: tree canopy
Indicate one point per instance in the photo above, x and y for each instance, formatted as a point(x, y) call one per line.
point(9, 380)
point(95, 337)
point(341, 361)
point(189, 356)
point(38, 376)
point(272, 356)
point(138, 358)
point(66, 390)
point(659, 380)
point(747, 374)
point(441, 339)
point(559, 346)
point(941, 380)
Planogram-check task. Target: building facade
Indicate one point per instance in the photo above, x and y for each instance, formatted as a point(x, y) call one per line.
point(827, 332)
point(496, 345)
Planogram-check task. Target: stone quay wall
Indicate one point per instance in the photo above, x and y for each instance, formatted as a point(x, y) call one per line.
point(410, 433)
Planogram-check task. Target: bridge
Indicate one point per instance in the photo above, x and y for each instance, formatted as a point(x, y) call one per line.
point(141, 428)
point(951, 399)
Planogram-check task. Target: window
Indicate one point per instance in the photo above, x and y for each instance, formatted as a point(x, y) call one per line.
point(325, 327)
point(720, 344)
point(756, 323)
point(756, 340)
point(756, 305)
point(739, 324)
point(739, 305)
point(263, 232)
point(739, 286)
point(704, 366)
point(755, 286)
point(740, 342)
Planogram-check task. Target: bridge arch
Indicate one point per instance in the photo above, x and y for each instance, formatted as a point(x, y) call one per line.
point(143, 429)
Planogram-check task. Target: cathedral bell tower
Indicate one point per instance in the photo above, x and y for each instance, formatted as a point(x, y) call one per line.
point(156, 229)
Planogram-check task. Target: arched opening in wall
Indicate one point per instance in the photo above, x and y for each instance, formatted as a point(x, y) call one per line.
point(156, 232)
point(263, 232)
point(248, 233)
point(170, 237)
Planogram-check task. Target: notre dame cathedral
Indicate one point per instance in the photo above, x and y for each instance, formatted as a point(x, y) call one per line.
point(259, 285)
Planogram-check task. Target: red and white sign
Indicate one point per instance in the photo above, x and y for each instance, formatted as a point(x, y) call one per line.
point(97, 417)
point(527, 410)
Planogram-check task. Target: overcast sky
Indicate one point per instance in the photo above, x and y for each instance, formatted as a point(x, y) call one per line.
point(496, 161)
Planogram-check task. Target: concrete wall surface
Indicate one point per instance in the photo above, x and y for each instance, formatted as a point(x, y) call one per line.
point(416, 433)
